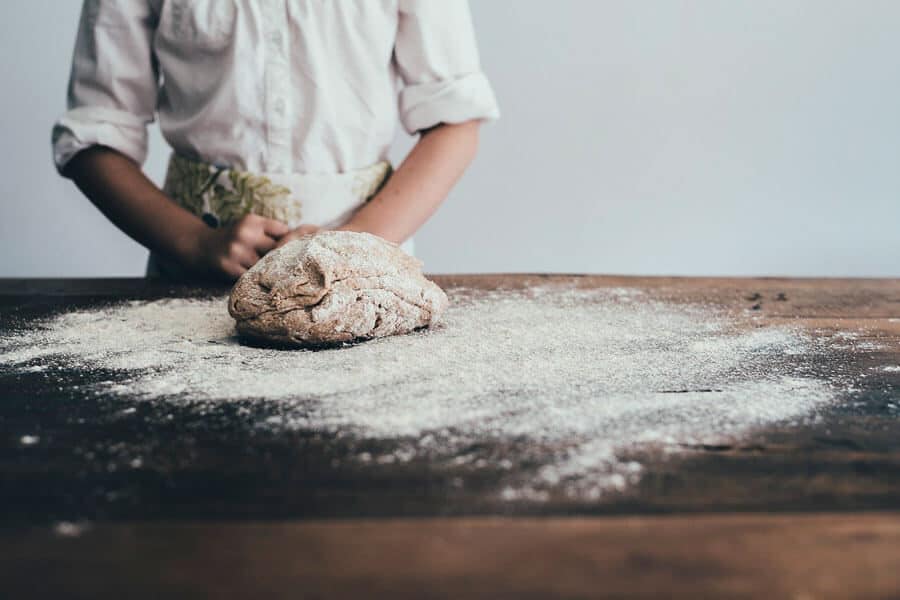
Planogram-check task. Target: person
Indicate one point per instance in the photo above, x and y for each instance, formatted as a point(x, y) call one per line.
point(280, 115)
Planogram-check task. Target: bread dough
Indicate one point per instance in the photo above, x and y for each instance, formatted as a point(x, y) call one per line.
point(335, 286)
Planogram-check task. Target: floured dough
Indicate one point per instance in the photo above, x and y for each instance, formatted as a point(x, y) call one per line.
point(335, 286)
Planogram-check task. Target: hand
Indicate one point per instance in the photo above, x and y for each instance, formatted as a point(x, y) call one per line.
point(298, 233)
point(229, 251)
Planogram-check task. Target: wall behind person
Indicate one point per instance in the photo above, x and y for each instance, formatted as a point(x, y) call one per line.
point(695, 137)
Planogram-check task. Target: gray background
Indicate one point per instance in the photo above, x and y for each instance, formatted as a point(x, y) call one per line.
point(695, 137)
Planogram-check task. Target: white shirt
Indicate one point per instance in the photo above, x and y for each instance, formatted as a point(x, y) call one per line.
point(302, 86)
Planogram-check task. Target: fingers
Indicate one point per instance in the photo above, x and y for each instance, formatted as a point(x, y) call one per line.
point(232, 270)
point(253, 232)
point(298, 233)
point(243, 255)
point(265, 243)
point(286, 239)
point(251, 238)
point(240, 245)
point(273, 228)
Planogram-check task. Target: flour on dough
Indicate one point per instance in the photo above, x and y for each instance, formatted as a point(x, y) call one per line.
point(335, 286)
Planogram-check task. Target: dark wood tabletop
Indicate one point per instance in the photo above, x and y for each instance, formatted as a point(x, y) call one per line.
point(219, 509)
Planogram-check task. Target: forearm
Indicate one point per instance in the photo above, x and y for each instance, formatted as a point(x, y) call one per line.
point(420, 184)
point(118, 187)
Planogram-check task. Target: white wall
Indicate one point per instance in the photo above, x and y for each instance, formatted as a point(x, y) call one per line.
point(692, 137)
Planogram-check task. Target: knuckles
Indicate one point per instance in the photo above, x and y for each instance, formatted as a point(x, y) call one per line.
point(234, 248)
point(243, 234)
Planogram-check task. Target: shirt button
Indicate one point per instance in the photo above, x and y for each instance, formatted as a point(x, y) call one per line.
point(279, 106)
point(276, 39)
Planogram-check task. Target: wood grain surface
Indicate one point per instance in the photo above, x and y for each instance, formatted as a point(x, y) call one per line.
point(723, 556)
point(222, 511)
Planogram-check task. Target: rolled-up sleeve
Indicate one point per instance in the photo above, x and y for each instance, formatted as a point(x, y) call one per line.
point(437, 59)
point(113, 85)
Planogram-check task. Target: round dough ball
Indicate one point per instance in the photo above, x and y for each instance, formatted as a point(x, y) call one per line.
point(335, 286)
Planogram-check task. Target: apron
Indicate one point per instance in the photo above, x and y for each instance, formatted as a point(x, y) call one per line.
point(221, 196)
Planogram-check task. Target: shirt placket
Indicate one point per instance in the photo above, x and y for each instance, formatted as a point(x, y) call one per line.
point(277, 86)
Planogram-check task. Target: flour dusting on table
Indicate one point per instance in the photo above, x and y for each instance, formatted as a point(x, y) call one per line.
point(591, 376)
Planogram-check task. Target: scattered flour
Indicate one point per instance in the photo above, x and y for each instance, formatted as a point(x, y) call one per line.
point(587, 376)
point(68, 529)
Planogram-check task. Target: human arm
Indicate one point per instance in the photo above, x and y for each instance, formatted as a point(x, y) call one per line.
point(116, 185)
point(418, 187)
point(101, 141)
point(445, 96)
point(420, 184)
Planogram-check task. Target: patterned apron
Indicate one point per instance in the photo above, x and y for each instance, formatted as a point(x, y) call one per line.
point(221, 196)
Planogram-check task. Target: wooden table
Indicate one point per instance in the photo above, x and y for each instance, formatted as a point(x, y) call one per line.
point(218, 511)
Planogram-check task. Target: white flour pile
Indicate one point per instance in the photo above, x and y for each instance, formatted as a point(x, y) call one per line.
point(587, 376)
